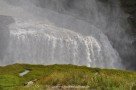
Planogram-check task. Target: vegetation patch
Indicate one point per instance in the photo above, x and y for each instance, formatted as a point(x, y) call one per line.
point(40, 77)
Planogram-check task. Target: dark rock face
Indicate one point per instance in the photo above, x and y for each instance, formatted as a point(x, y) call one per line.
point(129, 6)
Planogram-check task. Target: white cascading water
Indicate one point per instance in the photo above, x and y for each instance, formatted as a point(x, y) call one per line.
point(44, 36)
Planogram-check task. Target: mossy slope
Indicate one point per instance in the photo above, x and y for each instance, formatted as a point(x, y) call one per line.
point(65, 75)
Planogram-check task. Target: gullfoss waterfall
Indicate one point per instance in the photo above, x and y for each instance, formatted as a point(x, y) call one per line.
point(54, 34)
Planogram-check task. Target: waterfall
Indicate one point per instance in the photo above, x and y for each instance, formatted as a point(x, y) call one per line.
point(79, 32)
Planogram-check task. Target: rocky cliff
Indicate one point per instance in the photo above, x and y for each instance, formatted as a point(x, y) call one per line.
point(129, 7)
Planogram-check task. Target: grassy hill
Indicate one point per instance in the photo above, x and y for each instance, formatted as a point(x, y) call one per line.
point(65, 75)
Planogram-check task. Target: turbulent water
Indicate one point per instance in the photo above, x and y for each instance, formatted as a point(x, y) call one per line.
point(79, 32)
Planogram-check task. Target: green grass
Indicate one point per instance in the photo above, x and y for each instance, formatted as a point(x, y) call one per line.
point(66, 75)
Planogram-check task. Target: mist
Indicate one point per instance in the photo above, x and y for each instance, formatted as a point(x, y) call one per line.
point(80, 32)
